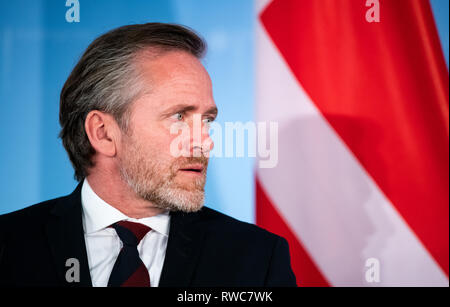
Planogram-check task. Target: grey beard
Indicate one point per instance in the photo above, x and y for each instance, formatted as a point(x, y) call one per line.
point(165, 197)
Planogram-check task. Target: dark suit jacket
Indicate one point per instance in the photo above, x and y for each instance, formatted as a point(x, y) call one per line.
point(205, 248)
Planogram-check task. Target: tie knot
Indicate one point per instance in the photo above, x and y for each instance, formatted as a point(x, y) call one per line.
point(130, 233)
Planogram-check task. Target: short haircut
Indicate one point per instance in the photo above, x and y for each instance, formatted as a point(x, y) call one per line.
point(105, 79)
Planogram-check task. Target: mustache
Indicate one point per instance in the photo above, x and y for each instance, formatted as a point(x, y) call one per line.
point(191, 160)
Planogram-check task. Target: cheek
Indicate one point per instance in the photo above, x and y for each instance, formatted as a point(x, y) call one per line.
point(155, 138)
point(156, 143)
point(149, 134)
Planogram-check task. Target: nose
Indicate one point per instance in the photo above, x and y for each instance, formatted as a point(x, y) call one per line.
point(201, 139)
point(207, 143)
point(203, 145)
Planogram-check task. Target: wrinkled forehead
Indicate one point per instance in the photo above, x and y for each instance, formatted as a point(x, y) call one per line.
point(172, 78)
point(172, 68)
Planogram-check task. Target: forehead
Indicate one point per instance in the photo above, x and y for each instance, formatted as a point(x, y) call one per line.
point(174, 77)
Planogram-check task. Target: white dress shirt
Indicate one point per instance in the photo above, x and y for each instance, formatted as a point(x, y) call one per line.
point(103, 244)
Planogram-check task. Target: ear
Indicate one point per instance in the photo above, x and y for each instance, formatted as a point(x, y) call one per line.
point(103, 132)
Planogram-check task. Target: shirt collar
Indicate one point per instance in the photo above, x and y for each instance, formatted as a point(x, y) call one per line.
point(98, 214)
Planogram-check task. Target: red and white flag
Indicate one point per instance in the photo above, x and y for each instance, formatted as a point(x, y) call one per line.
point(361, 188)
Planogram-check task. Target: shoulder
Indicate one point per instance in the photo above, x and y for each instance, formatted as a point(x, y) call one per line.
point(226, 226)
point(28, 218)
point(255, 252)
point(33, 217)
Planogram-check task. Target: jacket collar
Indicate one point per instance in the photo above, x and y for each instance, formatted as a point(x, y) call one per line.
point(183, 250)
point(66, 239)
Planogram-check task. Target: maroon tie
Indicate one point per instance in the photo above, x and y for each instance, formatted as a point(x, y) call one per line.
point(129, 270)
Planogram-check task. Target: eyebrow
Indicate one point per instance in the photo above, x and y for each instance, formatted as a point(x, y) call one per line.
point(183, 108)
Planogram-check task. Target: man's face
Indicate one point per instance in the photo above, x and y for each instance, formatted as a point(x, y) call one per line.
point(177, 87)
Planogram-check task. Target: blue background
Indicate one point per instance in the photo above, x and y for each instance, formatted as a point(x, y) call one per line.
point(38, 49)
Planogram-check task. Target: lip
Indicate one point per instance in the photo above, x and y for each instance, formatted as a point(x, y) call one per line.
point(193, 168)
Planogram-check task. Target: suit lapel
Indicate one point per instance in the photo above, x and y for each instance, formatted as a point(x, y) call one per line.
point(183, 250)
point(66, 238)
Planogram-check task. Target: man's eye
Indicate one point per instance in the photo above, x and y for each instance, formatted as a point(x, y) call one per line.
point(178, 116)
point(208, 120)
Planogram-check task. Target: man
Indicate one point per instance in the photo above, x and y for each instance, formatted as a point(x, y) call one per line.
point(137, 216)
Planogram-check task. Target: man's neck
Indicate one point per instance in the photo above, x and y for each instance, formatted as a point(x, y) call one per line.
point(117, 193)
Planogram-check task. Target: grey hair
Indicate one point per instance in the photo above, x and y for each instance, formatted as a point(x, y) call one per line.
point(106, 79)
